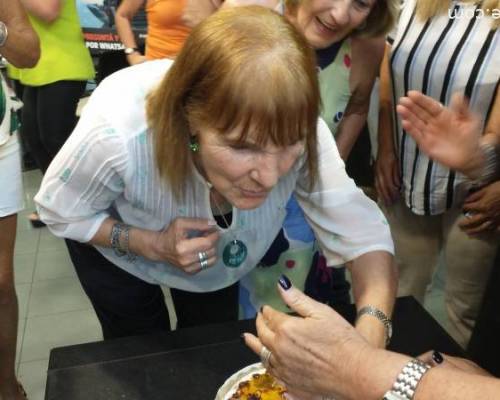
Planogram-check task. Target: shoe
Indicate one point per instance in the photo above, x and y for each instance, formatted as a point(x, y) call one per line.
point(35, 220)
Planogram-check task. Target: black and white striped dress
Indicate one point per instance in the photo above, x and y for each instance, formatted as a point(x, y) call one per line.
point(458, 51)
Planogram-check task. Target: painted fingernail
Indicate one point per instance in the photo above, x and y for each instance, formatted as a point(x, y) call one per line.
point(284, 282)
point(261, 309)
point(437, 357)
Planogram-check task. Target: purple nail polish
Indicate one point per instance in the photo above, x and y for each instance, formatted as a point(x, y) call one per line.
point(437, 357)
point(284, 282)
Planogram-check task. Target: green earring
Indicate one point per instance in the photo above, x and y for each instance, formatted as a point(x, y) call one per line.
point(194, 146)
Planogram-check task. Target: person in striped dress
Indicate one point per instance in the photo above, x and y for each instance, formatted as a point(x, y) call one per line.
point(440, 48)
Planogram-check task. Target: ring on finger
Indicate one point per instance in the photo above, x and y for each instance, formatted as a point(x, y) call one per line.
point(203, 257)
point(265, 355)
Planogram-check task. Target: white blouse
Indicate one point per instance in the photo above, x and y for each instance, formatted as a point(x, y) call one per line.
point(106, 168)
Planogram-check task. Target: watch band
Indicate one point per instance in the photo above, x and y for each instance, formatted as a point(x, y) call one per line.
point(4, 33)
point(407, 381)
point(380, 315)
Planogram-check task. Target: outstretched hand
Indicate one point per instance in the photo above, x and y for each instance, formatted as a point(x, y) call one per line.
point(448, 135)
point(306, 349)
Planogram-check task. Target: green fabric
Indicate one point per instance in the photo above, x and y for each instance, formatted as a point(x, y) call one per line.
point(63, 52)
point(334, 87)
point(8, 116)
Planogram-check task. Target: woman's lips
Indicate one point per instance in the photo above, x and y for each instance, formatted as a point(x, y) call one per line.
point(254, 194)
point(325, 27)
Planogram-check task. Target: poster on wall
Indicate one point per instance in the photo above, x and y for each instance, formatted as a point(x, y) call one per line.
point(97, 18)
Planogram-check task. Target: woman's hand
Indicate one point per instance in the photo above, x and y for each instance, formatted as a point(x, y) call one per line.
point(482, 210)
point(307, 349)
point(448, 135)
point(182, 243)
point(387, 177)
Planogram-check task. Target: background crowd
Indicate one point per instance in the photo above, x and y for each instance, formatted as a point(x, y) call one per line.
point(182, 172)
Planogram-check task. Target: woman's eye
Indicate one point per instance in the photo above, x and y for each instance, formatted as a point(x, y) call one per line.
point(361, 5)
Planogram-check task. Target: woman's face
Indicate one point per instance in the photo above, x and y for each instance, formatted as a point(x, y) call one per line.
point(243, 173)
point(325, 22)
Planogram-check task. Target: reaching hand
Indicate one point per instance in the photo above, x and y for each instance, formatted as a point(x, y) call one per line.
point(314, 353)
point(448, 135)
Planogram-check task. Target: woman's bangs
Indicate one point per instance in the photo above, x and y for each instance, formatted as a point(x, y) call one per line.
point(272, 113)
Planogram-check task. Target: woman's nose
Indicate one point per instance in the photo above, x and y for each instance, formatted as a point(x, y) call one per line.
point(266, 171)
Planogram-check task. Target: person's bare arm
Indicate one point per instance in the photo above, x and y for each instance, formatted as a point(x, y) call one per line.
point(374, 283)
point(47, 10)
point(387, 177)
point(366, 58)
point(22, 47)
point(123, 21)
point(196, 11)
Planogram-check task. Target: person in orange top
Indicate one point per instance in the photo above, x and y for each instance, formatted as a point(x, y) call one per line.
point(166, 31)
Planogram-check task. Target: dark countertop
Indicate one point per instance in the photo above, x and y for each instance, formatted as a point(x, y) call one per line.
point(191, 364)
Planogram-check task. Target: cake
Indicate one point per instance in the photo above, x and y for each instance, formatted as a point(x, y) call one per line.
point(260, 386)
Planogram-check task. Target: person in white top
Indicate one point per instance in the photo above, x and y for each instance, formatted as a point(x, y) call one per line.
point(225, 132)
point(20, 46)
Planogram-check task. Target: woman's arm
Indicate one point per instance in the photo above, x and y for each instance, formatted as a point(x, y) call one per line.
point(366, 58)
point(85, 178)
point(374, 283)
point(123, 21)
point(387, 178)
point(351, 229)
point(46, 10)
point(22, 47)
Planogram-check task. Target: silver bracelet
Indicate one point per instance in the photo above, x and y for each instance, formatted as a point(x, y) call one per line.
point(4, 33)
point(491, 168)
point(380, 315)
point(116, 242)
point(407, 381)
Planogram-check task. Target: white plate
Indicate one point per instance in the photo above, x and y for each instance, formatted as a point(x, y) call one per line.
point(231, 385)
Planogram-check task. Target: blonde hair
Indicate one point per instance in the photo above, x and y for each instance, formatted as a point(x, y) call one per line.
point(243, 69)
point(427, 9)
point(380, 21)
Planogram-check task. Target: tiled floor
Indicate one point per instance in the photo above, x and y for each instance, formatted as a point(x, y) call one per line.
point(53, 309)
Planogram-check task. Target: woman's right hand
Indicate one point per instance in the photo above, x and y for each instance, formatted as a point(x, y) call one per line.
point(387, 178)
point(182, 241)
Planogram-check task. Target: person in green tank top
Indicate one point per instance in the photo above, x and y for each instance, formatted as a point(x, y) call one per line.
point(54, 86)
point(20, 46)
